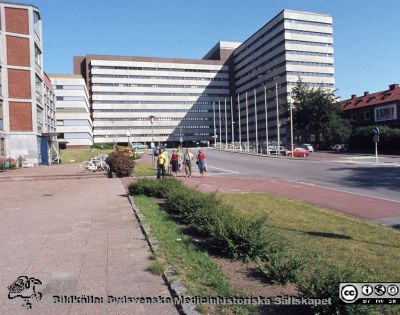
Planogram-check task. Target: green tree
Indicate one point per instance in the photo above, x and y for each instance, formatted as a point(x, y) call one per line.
point(317, 111)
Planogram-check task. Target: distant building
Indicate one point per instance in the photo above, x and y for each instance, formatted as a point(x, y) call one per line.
point(188, 97)
point(73, 122)
point(22, 107)
point(380, 108)
point(180, 93)
point(293, 45)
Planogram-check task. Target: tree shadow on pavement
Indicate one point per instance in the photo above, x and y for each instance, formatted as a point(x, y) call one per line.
point(371, 177)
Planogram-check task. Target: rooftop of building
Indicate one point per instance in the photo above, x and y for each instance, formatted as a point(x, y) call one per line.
point(78, 76)
point(370, 99)
point(20, 3)
point(221, 45)
point(273, 21)
point(150, 59)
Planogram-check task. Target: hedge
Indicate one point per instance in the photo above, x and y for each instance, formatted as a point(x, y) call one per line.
point(361, 139)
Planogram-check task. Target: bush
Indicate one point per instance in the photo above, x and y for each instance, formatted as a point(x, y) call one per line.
point(187, 202)
point(120, 163)
point(282, 266)
point(240, 236)
point(361, 139)
point(154, 188)
point(324, 282)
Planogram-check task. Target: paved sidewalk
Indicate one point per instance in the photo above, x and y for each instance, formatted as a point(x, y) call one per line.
point(79, 237)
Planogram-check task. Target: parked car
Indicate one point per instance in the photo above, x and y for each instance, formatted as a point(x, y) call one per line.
point(298, 152)
point(307, 146)
point(139, 146)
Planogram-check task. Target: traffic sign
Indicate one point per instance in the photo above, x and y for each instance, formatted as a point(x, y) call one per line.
point(375, 131)
point(376, 138)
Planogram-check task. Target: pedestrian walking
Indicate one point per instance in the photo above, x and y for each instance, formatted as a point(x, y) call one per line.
point(161, 163)
point(175, 162)
point(187, 161)
point(201, 163)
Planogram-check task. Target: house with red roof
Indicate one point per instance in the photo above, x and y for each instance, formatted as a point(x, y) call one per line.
point(380, 108)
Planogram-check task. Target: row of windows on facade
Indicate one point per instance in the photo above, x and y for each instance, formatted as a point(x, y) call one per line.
point(159, 94)
point(69, 87)
point(161, 85)
point(245, 53)
point(284, 63)
point(269, 78)
point(287, 73)
point(160, 110)
point(153, 127)
point(138, 102)
point(73, 122)
point(111, 136)
point(155, 119)
point(382, 113)
point(149, 77)
point(160, 69)
point(250, 60)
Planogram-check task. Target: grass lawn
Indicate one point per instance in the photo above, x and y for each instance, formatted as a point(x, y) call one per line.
point(201, 276)
point(144, 169)
point(336, 236)
point(78, 156)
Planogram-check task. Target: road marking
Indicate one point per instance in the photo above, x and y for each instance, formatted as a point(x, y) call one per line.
point(222, 169)
point(344, 191)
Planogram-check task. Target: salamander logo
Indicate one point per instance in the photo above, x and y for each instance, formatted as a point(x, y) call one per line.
point(25, 288)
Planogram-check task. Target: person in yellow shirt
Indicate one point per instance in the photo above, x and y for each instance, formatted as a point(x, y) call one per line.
point(161, 163)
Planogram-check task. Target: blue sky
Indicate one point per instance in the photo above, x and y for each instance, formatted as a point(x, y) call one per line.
point(366, 32)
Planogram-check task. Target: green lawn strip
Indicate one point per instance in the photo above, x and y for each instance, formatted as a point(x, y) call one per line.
point(144, 169)
point(199, 273)
point(337, 237)
point(78, 156)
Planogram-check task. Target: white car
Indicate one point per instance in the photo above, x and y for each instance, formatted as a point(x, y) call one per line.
point(307, 146)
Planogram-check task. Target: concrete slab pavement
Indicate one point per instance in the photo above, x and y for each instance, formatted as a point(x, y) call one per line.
point(79, 237)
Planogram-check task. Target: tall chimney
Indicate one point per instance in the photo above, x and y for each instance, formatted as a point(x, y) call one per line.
point(353, 96)
point(393, 87)
point(366, 93)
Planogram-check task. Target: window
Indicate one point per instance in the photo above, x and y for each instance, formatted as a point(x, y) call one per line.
point(353, 117)
point(388, 112)
point(367, 115)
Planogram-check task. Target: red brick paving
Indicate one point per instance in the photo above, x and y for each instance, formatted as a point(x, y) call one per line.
point(78, 237)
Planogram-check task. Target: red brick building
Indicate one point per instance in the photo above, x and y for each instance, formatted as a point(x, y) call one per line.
point(380, 108)
point(22, 104)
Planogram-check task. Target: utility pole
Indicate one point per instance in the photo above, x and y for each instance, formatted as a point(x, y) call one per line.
point(233, 132)
point(255, 114)
point(220, 131)
point(247, 125)
point(266, 117)
point(278, 151)
point(240, 126)
point(226, 129)
point(215, 128)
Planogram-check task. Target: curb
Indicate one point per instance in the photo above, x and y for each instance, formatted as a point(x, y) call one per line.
point(169, 275)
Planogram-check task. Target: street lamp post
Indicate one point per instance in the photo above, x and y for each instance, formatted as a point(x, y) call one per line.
point(151, 117)
point(232, 122)
point(291, 124)
point(256, 118)
point(128, 133)
point(266, 117)
point(278, 125)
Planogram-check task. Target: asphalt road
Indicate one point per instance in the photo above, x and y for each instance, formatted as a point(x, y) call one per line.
point(359, 176)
